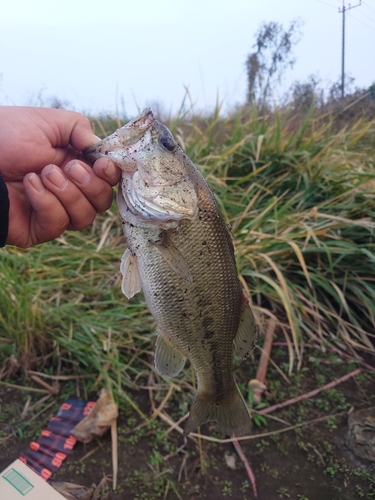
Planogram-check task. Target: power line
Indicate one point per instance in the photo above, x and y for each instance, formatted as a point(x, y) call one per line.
point(325, 3)
point(371, 28)
point(365, 15)
point(365, 4)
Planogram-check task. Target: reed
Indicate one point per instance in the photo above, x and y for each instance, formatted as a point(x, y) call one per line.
point(299, 196)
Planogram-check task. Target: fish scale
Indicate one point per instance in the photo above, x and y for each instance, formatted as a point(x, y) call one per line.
point(183, 309)
point(180, 252)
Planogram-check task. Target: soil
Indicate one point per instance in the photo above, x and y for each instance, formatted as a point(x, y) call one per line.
point(311, 462)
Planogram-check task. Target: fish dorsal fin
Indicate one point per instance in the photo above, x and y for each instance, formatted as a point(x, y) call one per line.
point(131, 279)
point(247, 333)
point(173, 256)
point(168, 360)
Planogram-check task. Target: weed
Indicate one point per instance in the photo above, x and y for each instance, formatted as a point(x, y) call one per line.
point(194, 490)
point(332, 423)
point(262, 444)
point(327, 446)
point(362, 473)
point(245, 486)
point(227, 488)
point(258, 419)
point(322, 404)
point(283, 492)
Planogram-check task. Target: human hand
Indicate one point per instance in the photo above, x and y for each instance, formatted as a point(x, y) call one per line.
point(50, 187)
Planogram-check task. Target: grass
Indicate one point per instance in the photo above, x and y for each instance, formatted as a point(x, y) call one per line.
point(300, 202)
point(62, 307)
point(299, 196)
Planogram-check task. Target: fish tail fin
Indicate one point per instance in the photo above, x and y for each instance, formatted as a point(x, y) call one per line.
point(231, 414)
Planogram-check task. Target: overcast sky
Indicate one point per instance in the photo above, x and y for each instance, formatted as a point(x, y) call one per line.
point(108, 54)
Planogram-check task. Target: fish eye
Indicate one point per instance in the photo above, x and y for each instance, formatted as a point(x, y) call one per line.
point(168, 143)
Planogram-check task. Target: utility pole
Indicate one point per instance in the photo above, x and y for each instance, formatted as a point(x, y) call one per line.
point(342, 11)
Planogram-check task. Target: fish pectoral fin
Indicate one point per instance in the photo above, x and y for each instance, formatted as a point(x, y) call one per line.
point(173, 256)
point(247, 333)
point(168, 360)
point(131, 279)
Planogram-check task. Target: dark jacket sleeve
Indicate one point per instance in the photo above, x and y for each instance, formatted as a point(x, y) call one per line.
point(4, 212)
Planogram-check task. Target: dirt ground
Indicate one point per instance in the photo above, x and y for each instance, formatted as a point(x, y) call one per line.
point(309, 462)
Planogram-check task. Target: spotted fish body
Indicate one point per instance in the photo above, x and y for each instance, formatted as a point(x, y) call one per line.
point(180, 252)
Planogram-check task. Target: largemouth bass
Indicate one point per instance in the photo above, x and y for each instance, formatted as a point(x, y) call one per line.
point(180, 253)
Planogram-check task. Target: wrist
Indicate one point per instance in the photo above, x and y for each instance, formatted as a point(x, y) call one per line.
point(4, 212)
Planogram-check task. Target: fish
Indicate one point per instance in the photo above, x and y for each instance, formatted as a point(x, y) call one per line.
point(180, 252)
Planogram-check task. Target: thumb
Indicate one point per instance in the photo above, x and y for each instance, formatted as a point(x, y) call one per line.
point(82, 136)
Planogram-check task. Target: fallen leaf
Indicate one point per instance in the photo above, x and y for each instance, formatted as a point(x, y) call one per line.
point(230, 460)
point(99, 420)
point(72, 491)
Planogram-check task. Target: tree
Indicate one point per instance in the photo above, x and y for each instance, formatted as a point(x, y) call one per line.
point(273, 55)
point(335, 90)
point(307, 93)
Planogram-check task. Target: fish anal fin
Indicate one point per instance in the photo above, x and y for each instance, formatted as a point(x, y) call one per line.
point(131, 279)
point(247, 333)
point(173, 256)
point(168, 360)
point(231, 414)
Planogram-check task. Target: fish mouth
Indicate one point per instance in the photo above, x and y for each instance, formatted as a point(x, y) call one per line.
point(124, 138)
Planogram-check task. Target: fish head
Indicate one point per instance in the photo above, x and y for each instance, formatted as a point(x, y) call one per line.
point(155, 184)
point(146, 145)
point(120, 145)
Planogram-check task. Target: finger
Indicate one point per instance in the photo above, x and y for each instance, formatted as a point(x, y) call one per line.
point(82, 136)
point(96, 190)
point(49, 219)
point(107, 170)
point(69, 127)
point(79, 209)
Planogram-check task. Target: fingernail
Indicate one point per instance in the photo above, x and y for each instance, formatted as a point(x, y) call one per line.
point(98, 139)
point(35, 182)
point(57, 178)
point(110, 171)
point(77, 172)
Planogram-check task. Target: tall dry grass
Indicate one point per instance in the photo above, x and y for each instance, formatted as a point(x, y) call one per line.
point(299, 197)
